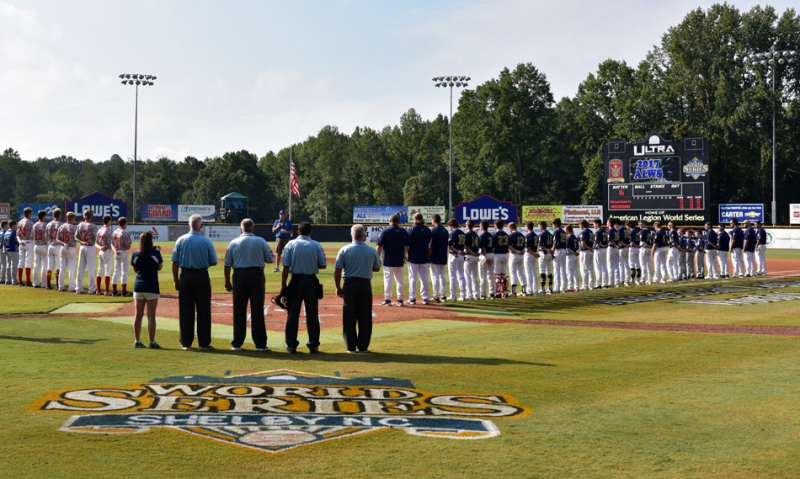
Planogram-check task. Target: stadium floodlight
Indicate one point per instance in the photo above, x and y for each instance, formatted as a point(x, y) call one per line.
point(459, 82)
point(144, 80)
point(773, 58)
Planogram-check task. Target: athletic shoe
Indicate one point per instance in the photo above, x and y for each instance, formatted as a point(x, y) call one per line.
point(116, 294)
point(79, 292)
point(412, 301)
point(366, 351)
point(400, 303)
point(276, 270)
point(127, 294)
point(444, 300)
point(185, 348)
point(138, 344)
point(436, 299)
point(29, 285)
point(426, 301)
point(154, 345)
point(385, 302)
point(549, 291)
point(108, 293)
point(351, 352)
point(313, 350)
point(262, 350)
point(291, 350)
point(234, 348)
point(207, 347)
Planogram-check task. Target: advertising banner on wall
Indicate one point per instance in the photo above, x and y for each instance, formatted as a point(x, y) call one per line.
point(5, 211)
point(164, 213)
point(160, 233)
point(486, 208)
point(208, 212)
point(537, 213)
point(427, 212)
point(100, 204)
point(741, 211)
point(36, 207)
point(783, 238)
point(574, 214)
point(379, 214)
point(221, 233)
point(794, 214)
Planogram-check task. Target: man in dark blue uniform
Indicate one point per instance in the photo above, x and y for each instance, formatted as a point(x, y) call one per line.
point(761, 249)
point(586, 256)
point(531, 259)
point(486, 265)
point(393, 246)
point(645, 253)
point(419, 240)
point(712, 252)
point(501, 241)
point(516, 260)
point(659, 253)
point(456, 249)
point(545, 258)
point(750, 240)
point(600, 252)
point(437, 252)
point(724, 248)
point(471, 260)
point(737, 245)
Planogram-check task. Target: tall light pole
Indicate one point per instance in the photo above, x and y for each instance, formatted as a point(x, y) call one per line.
point(451, 81)
point(144, 80)
point(772, 58)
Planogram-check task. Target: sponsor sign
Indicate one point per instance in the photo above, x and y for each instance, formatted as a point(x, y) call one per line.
point(5, 211)
point(160, 233)
point(427, 212)
point(574, 214)
point(537, 213)
point(221, 233)
point(783, 238)
point(742, 212)
point(165, 213)
point(100, 204)
point(486, 208)
point(208, 212)
point(379, 214)
point(36, 207)
point(276, 411)
point(794, 214)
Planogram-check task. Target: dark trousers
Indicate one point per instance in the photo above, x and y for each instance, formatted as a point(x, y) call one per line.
point(305, 291)
point(195, 295)
point(357, 311)
point(248, 285)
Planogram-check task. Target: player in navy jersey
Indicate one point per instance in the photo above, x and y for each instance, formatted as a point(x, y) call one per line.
point(612, 256)
point(572, 260)
point(501, 241)
point(749, 248)
point(724, 248)
point(633, 253)
point(486, 264)
point(456, 249)
point(737, 244)
point(700, 254)
point(586, 256)
point(437, 252)
point(531, 259)
point(761, 249)
point(516, 259)
point(691, 248)
point(712, 252)
point(393, 246)
point(545, 258)
point(471, 260)
point(559, 256)
point(600, 253)
point(673, 257)
point(645, 253)
point(659, 253)
point(419, 239)
point(624, 252)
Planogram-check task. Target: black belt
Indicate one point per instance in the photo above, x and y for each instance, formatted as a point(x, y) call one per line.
point(356, 278)
point(249, 268)
point(193, 270)
point(298, 275)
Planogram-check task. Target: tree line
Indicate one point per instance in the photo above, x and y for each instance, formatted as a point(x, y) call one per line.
point(511, 139)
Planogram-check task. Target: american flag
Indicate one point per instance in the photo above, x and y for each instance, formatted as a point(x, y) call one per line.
point(294, 185)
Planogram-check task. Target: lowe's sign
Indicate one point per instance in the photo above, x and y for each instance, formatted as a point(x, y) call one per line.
point(486, 208)
point(100, 204)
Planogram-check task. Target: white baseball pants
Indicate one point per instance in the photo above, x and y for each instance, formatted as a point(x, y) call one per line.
point(471, 276)
point(761, 259)
point(672, 264)
point(437, 278)
point(39, 264)
point(572, 272)
point(25, 254)
point(105, 263)
point(516, 268)
point(486, 274)
point(613, 266)
point(750, 263)
point(712, 267)
point(396, 273)
point(660, 264)
point(545, 263)
point(624, 265)
point(121, 267)
point(11, 260)
point(418, 273)
point(455, 265)
point(54, 257)
point(600, 268)
point(67, 277)
point(587, 269)
point(645, 255)
point(560, 273)
point(531, 274)
point(738, 262)
point(724, 267)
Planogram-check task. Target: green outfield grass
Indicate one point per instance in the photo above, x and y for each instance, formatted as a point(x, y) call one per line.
point(606, 403)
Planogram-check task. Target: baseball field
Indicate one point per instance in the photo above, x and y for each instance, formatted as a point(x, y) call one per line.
point(691, 379)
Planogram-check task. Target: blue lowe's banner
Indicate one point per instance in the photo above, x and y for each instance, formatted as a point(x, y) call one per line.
point(486, 208)
point(165, 213)
point(379, 214)
point(36, 207)
point(742, 212)
point(100, 204)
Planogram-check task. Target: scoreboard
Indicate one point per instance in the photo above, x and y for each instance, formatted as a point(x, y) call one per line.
point(657, 180)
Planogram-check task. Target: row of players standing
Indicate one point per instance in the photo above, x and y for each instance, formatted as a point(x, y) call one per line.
point(540, 261)
point(66, 250)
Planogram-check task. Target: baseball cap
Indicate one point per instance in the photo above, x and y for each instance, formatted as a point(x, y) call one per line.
point(282, 212)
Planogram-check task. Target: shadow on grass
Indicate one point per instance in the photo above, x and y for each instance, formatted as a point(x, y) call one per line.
point(51, 340)
point(371, 357)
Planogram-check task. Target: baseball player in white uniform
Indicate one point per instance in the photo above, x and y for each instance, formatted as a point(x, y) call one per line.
point(53, 248)
point(516, 259)
point(3, 228)
point(586, 258)
point(471, 260)
point(612, 255)
point(105, 255)
point(531, 259)
point(25, 238)
point(121, 245)
point(486, 264)
point(66, 238)
point(39, 250)
point(87, 235)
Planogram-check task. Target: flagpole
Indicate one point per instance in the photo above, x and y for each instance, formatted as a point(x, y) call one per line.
point(291, 159)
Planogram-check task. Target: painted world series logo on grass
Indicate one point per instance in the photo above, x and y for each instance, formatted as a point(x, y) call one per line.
point(279, 410)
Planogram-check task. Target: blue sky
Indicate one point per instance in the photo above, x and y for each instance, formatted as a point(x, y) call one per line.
point(260, 75)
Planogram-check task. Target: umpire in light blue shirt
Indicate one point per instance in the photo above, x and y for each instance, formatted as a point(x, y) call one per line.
point(194, 254)
point(303, 258)
point(356, 262)
point(247, 255)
